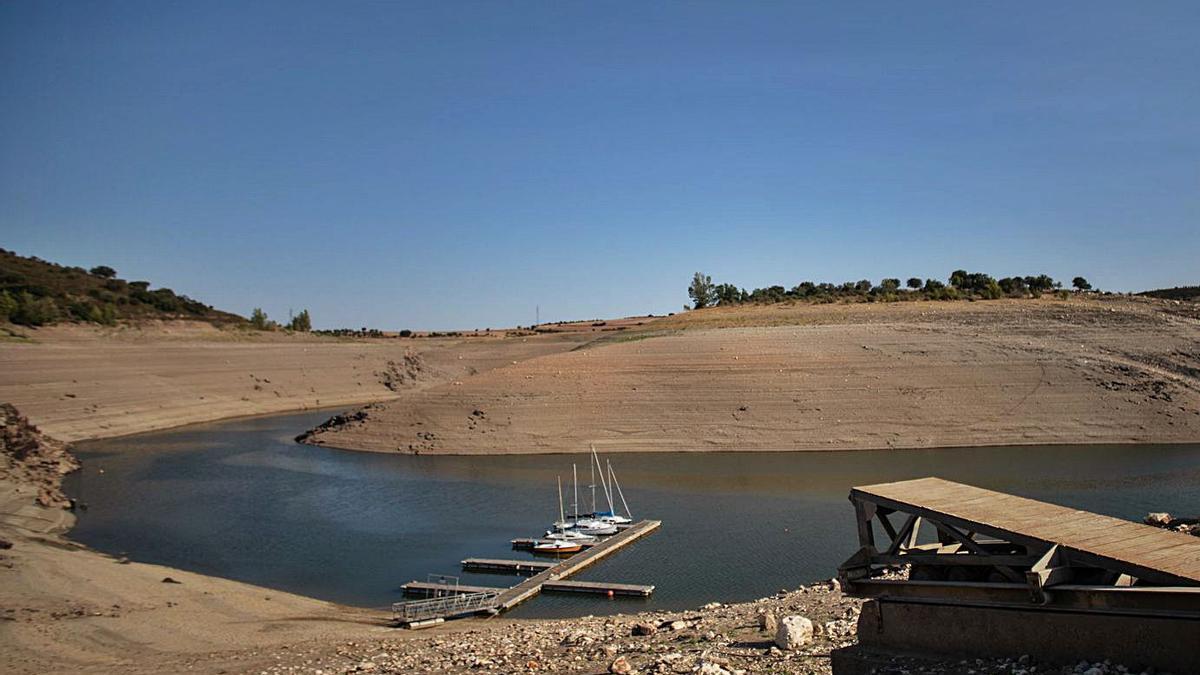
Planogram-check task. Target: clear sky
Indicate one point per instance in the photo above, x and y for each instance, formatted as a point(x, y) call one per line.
point(454, 164)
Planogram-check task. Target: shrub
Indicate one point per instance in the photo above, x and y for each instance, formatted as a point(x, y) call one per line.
point(103, 271)
point(8, 305)
point(34, 311)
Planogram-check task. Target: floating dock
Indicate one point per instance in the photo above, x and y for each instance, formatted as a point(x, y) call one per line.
point(506, 566)
point(573, 565)
point(457, 600)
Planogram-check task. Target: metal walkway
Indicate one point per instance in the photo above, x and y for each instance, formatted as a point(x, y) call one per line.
point(445, 607)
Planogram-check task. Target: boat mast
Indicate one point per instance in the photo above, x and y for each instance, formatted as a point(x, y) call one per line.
point(561, 516)
point(612, 477)
point(593, 484)
point(575, 481)
point(607, 489)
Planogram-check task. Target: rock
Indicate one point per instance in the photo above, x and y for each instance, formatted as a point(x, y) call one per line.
point(679, 625)
point(621, 666)
point(1158, 519)
point(709, 668)
point(5, 544)
point(169, 580)
point(711, 606)
point(768, 623)
point(642, 628)
point(794, 632)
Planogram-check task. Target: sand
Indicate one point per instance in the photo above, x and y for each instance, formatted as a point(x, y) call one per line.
point(78, 382)
point(826, 377)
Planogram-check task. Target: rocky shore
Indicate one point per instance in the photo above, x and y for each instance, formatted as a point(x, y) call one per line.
point(29, 457)
point(794, 631)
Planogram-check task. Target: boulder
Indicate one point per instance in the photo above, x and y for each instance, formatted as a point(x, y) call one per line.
point(709, 668)
point(794, 632)
point(621, 666)
point(768, 623)
point(643, 628)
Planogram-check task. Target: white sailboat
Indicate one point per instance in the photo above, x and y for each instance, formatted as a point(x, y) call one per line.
point(560, 544)
point(594, 525)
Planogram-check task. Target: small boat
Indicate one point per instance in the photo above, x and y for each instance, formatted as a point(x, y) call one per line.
point(557, 546)
point(570, 535)
point(594, 527)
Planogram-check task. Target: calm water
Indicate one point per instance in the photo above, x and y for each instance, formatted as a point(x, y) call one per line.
point(241, 500)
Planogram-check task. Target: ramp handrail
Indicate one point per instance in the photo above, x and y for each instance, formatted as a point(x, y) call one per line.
point(445, 606)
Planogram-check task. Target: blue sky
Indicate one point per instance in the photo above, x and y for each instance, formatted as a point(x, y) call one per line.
point(452, 165)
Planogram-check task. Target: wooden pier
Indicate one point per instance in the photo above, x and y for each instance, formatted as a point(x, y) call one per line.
point(987, 536)
point(533, 585)
point(433, 589)
point(994, 574)
point(444, 600)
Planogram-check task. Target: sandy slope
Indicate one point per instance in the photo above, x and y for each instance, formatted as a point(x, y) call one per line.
point(827, 378)
point(79, 382)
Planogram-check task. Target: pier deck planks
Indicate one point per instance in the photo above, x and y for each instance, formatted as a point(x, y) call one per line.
point(1148, 552)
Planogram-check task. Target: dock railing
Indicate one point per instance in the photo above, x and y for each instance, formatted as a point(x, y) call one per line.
point(445, 606)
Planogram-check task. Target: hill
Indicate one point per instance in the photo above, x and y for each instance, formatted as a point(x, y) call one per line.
point(824, 377)
point(35, 292)
point(1177, 293)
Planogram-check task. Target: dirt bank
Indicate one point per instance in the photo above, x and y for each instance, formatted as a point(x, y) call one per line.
point(827, 377)
point(79, 382)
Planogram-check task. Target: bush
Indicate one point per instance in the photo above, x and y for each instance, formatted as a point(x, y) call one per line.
point(103, 271)
point(33, 311)
point(8, 305)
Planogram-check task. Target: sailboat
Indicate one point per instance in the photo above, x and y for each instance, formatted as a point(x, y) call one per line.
point(555, 546)
point(594, 525)
point(612, 516)
point(565, 529)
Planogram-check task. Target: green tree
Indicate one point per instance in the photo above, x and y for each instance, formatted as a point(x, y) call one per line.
point(103, 271)
point(890, 285)
point(258, 318)
point(727, 294)
point(914, 283)
point(1081, 284)
point(701, 291)
point(301, 322)
point(958, 278)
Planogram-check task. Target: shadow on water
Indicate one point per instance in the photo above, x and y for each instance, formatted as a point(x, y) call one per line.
point(240, 499)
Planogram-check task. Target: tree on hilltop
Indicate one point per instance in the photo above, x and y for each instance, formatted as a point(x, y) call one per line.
point(103, 271)
point(258, 318)
point(702, 292)
point(914, 283)
point(1081, 284)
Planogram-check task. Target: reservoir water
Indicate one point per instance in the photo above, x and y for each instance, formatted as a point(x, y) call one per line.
point(241, 500)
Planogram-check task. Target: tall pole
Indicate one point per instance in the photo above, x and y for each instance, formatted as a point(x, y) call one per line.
point(575, 480)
